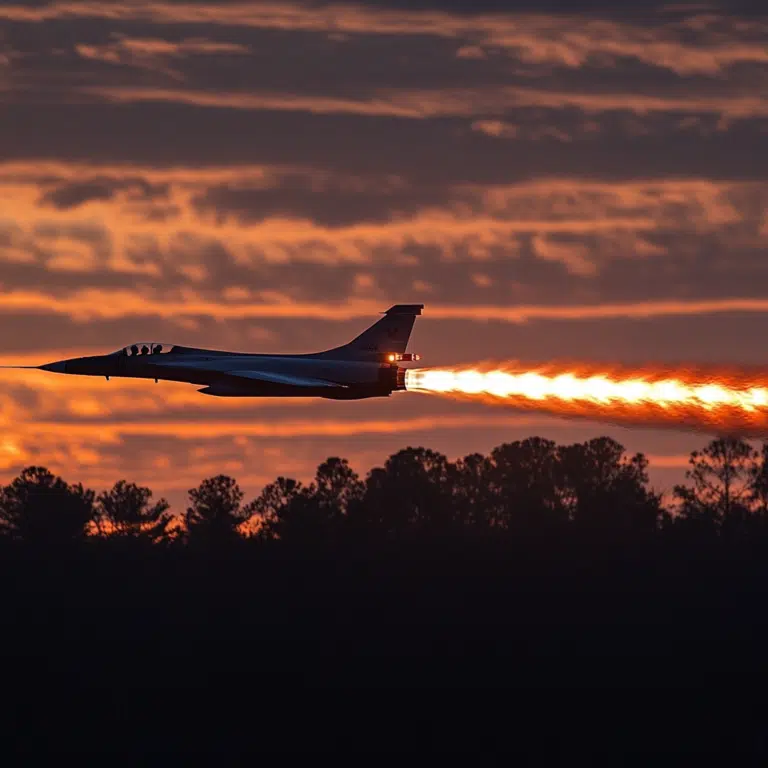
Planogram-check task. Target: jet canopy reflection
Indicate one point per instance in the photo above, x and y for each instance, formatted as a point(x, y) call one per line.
point(146, 348)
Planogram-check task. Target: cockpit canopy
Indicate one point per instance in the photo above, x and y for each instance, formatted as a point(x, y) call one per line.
point(146, 348)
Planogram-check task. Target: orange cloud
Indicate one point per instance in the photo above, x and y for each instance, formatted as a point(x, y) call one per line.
point(496, 128)
point(574, 256)
point(96, 304)
point(153, 53)
point(471, 52)
point(639, 309)
point(103, 235)
point(422, 104)
point(373, 107)
point(105, 232)
point(701, 44)
point(159, 47)
point(263, 176)
point(658, 461)
point(109, 432)
point(20, 180)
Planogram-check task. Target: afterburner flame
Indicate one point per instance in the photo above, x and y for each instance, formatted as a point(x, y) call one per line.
point(732, 401)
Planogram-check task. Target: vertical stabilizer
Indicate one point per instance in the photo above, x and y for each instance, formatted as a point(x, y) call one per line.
point(387, 336)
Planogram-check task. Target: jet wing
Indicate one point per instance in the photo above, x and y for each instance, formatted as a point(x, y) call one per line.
point(282, 378)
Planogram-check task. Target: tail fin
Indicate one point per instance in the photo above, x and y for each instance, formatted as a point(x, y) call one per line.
point(388, 335)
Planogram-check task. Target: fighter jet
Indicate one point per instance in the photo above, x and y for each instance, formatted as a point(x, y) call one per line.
point(366, 367)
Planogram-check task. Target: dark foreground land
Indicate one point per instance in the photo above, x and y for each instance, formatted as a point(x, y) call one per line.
point(573, 635)
point(400, 620)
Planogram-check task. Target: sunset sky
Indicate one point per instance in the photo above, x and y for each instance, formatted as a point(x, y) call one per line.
point(581, 181)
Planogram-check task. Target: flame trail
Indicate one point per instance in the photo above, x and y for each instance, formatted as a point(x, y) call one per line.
point(726, 401)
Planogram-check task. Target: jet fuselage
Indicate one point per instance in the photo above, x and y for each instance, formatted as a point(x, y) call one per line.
point(365, 367)
point(226, 374)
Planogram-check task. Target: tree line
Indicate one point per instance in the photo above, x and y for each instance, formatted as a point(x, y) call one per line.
point(536, 566)
point(527, 487)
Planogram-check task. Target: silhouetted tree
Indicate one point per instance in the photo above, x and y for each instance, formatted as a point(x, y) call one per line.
point(723, 476)
point(758, 482)
point(604, 490)
point(271, 507)
point(413, 491)
point(523, 481)
point(216, 512)
point(336, 488)
point(472, 495)
point(289, 511)
point(40, 508)
point(126, 512)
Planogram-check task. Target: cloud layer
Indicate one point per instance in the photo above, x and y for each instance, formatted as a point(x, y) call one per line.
point(549, 179)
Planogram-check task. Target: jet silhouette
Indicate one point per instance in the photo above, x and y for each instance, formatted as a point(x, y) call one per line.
point(366, 367)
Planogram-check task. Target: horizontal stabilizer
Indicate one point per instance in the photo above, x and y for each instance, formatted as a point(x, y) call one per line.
point(282, 378)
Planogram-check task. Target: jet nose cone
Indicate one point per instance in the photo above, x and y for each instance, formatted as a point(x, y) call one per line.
point(59, 367)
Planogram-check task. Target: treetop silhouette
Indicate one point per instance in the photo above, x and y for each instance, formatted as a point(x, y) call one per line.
point(521, 487)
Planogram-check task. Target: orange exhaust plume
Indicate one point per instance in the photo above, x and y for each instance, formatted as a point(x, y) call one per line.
point(723, 401)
